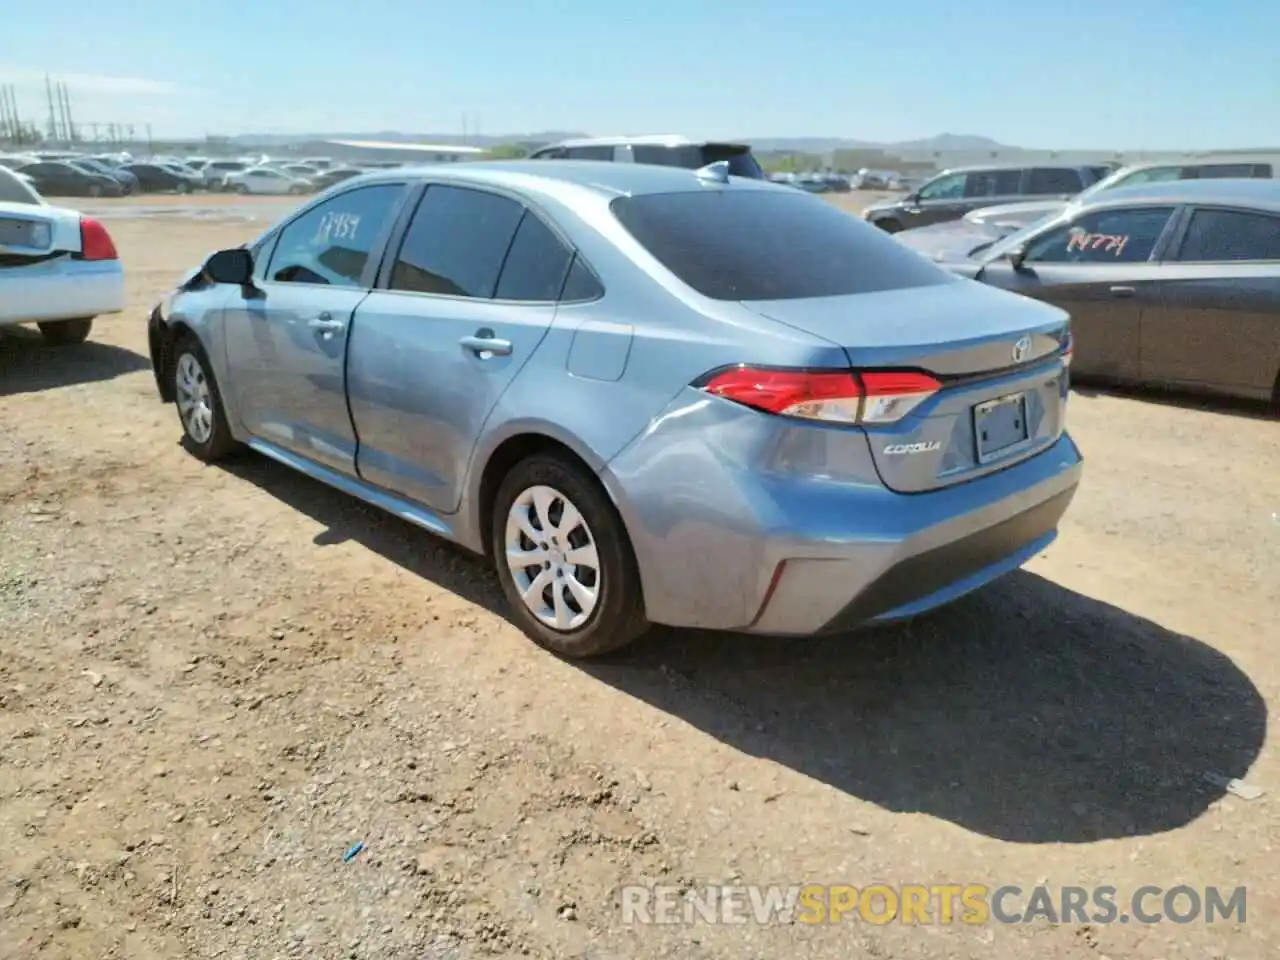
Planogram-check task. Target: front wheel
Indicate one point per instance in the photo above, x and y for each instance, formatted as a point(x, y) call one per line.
point(564, 559)
point(204, 421)
point(66, 331)
point(241, 189)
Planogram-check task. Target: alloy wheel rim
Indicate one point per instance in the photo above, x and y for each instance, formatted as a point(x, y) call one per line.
point(551, 554)
point(195, 402)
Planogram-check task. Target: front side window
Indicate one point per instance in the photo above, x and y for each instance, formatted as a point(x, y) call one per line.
point(993, 183)
point(947, 187)
point(456, 242)
point(1230, 235)
point(770, 245)
point(330, 243)
point(1106, 236)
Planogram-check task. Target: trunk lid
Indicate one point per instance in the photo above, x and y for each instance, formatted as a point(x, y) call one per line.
point(1003, 384)
point(36, 232)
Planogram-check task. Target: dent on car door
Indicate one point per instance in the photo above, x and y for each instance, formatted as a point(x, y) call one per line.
point(1219, 327)
point(432, 353)
point(286, 338)
point(1098, 268)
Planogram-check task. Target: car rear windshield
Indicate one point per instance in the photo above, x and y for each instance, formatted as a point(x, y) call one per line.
point(770, 244)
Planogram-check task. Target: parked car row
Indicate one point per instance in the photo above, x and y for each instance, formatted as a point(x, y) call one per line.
point(63, 174)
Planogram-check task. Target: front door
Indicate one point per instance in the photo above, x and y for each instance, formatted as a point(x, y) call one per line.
point(286, 339)
point(470, 296)
point(1098, 268)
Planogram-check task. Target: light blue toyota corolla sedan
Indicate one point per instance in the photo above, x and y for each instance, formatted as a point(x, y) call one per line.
point(649, 394)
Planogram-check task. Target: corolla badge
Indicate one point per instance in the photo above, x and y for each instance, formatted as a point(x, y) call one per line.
point(1021, 348)
point(928, 446)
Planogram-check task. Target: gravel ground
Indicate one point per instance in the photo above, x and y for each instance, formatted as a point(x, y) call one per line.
point(215, 681)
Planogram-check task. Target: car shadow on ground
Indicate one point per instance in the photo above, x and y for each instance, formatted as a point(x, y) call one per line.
point(1208, 403)
point(1025, 712)
point(29, 365)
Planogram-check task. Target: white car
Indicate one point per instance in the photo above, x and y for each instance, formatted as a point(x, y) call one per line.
point(266, 180)
point(58, 269)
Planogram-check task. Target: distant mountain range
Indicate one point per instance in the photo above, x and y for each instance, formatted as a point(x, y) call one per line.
point(944, 142)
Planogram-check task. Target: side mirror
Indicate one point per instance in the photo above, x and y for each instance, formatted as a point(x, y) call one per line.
point(230, 266)
point(1016, 257)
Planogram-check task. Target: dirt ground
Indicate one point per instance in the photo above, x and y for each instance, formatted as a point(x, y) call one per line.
point(215, 681)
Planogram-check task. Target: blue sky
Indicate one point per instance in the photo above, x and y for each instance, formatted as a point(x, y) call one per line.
point(1048, 73)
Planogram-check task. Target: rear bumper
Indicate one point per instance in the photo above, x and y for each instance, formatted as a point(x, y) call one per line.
point(765, 552)
point(63, 289)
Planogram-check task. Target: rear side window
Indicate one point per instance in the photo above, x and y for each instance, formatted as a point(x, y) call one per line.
point(581, 284)
point(1054, 180)
point(741, 162)
point(456, 243)
point(590, 153)
point(770, 244)
point(536, 264)
point(1216, 171)
point(1230, 235)
point(993, 183)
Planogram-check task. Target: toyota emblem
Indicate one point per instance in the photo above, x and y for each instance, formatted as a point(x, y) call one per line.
point(1021, 349)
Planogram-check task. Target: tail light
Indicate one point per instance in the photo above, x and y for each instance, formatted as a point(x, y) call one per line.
point(95, 242)
point(1068, 348)
point(833, 396)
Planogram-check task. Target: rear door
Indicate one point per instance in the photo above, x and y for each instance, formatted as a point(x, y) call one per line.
point(1219, 323)
point(1098, 268)
point(286, 339)
point(459, 310)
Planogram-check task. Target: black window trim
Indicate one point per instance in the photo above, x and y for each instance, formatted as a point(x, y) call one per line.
point(1171, 252)
point(1169, 236)
point(400, 229)
point(271, 240)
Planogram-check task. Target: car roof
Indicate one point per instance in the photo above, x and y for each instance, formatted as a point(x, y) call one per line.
point(601, 177)
point(652, 139)
point(1261, 194)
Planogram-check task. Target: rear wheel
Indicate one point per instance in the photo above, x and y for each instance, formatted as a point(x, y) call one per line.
point(564, 559)
point(66, 331)
point(204, 421)
point(241, 189)
point(890, 225)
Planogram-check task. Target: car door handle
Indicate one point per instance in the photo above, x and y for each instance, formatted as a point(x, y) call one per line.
point(490, 345)
point(325, 323)
point(1123, 293)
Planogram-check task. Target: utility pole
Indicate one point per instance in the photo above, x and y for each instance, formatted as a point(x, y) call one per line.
point(53, 120)
point(66, 112)
point(6, 122)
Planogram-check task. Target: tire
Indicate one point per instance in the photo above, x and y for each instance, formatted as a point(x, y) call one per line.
point(64, 332)
point(889, 225)
point(549, 482)
point(241, 189)
point(95, 190)
point(204, 424)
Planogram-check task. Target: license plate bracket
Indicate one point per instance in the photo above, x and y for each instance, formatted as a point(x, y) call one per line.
point(20, 232)
point(1000, 426)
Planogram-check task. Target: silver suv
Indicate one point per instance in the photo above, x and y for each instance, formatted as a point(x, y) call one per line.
point(663, 150)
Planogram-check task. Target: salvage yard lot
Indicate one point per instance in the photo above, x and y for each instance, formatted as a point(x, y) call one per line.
point(214, 681)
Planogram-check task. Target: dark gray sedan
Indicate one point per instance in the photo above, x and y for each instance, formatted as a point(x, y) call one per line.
point(1170, 284)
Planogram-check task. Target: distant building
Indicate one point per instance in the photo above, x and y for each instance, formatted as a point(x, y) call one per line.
point(373, 151)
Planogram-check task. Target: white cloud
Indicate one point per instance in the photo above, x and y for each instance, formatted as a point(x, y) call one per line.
point(91, 83)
